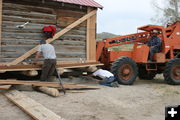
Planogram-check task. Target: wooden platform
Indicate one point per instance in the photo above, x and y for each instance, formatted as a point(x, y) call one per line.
point(38, 67)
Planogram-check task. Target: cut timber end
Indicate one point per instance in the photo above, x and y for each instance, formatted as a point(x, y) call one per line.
point(30, 73)
point(5, 87)
point(31, 107)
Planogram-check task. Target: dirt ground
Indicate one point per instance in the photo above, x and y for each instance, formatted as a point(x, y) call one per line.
point(145, 100)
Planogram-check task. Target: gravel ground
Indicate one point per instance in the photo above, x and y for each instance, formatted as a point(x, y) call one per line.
point(145, 100)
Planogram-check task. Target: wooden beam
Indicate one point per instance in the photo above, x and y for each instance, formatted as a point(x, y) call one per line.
point(31, 107)
point(56, 36)
point(91, 36)
point(39, 67)
point(46, 84)
point(0, 25)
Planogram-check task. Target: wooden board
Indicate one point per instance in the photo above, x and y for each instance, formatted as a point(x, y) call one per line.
point(56, 36)
point(48, 84)
point(31, 107)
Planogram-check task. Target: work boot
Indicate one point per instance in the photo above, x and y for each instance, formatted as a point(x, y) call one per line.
point(50, 91)
point(114, 84)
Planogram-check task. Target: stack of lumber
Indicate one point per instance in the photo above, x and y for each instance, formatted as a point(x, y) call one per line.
point(30, 106)
point(68, 86)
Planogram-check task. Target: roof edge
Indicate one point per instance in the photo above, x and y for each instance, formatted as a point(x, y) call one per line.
point(88, 3)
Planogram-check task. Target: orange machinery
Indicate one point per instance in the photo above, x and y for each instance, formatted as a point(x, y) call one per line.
point(127, 65)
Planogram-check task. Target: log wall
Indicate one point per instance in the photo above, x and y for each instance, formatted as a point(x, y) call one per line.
point(15, 41)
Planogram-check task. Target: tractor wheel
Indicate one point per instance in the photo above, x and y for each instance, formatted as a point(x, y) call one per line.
point(172, 72)
point(144, 74)
point(125, 70)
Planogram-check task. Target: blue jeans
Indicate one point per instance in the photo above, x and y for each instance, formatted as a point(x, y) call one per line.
point(107, 81)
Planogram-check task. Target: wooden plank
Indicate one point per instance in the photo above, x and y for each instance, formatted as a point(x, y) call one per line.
point(91, 37)
point(47, 84)
point(56, 36)
point(5, 87)
point(31, 107)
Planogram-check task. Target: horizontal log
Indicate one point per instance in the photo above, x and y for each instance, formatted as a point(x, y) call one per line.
point(65, 21)
point(59, 45)
point(13, 24)
point(33, 36)
point(29, 14)
point(60, 58)
point(74, 36)
point(27, 8)
point(36, 30)
point(9, 41)
point(70, 13)
point(74, 55)
point(22, 19)
point(36, 26)
point(69, 51)
point(39, 35)
point(50, 4)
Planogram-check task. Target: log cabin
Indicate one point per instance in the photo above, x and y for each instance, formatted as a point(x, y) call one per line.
point(74, 41)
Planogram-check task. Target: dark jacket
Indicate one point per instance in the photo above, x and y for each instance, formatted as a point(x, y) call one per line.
point(155, 41)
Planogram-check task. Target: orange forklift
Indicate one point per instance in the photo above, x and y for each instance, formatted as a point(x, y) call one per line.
point(127, 65)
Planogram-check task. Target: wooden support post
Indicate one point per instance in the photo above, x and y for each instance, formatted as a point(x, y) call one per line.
point(91, 37)
point(56, 36)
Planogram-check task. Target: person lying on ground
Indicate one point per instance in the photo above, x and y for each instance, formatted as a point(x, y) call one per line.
point(107, 77)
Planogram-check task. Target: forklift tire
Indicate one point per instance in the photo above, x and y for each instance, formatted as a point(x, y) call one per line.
point(125, 70)
point(172, 72)
point(143, 74)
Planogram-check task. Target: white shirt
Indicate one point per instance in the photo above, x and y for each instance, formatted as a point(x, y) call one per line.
point(47, 50)
point(103, 73)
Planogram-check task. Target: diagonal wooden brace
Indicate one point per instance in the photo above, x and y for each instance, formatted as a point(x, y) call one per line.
point(56, 36)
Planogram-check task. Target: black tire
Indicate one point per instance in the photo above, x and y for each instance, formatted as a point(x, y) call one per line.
point(125, 64)
point(144, 74)
point(172, 72)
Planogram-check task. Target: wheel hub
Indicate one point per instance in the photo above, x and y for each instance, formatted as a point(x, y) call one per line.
point(176, 72)
point(126, 72)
